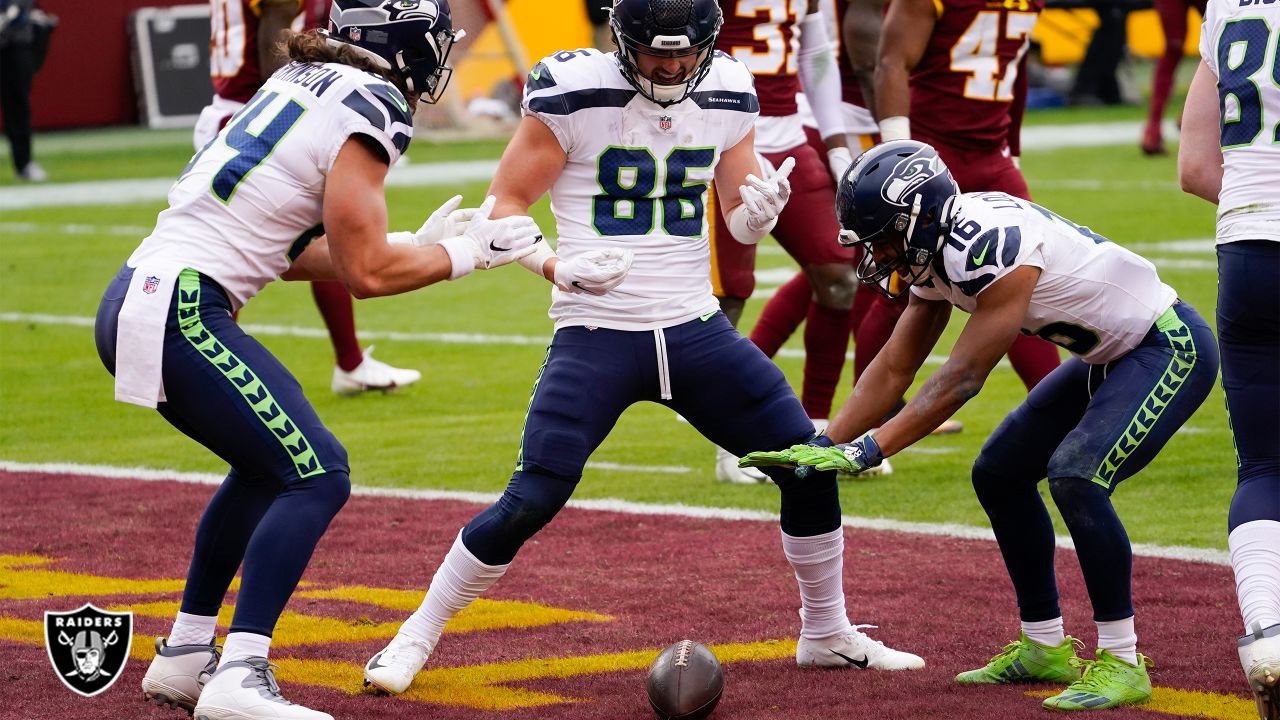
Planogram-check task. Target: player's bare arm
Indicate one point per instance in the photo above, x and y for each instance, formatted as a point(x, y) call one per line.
point(903, 39)
point(861, 32)
point(530, 165)
point(275, 18)
point(985, 339)
point(1199, 152)
point(893, 370)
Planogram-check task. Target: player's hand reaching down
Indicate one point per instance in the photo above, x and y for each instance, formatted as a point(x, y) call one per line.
point(596, 272)
point(488, 243)
point(852, 458)
point(764, 199)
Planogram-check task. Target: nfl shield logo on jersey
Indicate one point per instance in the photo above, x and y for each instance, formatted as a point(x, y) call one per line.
point(150, 285)
point(88, 647)
point(664, 123)
point(354, 33)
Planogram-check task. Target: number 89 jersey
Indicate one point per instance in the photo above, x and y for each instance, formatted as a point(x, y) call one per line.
point(1240, 42)
point(636, 178)
point(251, 200)
point(1093, 298)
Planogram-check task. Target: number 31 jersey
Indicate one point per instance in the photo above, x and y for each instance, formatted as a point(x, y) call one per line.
point(1240, 42)
point(1094, 298)
point(251, 200)
point(636, 178)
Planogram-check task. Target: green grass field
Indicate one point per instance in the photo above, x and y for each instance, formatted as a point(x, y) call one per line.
point(460, 427)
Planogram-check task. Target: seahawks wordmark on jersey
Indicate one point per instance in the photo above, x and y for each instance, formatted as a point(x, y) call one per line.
point(1094, 298)
point(251, 200)
point(1240, 42)
point(636, 178)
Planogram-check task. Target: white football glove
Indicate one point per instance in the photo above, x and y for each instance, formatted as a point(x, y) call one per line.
point(595, 273)
point(764, 199)
point(446, 222)
point(839, 159)
point(490, 243)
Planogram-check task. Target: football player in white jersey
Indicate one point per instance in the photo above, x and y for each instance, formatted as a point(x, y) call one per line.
point(291, 188)
point(1229, 156)
point(626, 143)
point(1143, 362)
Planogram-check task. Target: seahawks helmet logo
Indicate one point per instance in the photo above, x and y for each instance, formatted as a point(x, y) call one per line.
point(909, 174)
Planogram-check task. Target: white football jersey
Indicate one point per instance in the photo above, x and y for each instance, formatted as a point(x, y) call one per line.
point(1240, 42)
point(636, 178)
point(250, 201)
point(1094, 298)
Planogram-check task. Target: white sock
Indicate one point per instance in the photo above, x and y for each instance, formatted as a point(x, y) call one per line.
point(191, 629)
point(1046, 632)
point(242, 645)
point(1255, 557)
point(1118, 638)
point(818, 562)
point(460, 579)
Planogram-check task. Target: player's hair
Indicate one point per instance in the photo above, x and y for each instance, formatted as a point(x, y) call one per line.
point(312, 47)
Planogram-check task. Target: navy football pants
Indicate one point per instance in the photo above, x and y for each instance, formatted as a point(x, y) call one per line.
point(289, 475)
point(1086, 428)
point(718, 380)
point(1249, 333)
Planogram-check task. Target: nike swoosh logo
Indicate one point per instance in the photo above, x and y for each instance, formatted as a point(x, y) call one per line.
point(978, 260)
point(535, 73)
point(859, 663)
point(578, 285)
point(374, 664)
point(403, 105)
point(495, 248)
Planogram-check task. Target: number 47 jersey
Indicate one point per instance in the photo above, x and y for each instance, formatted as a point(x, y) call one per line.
point(635, 178)
point(249, 202)
point(1094, 298)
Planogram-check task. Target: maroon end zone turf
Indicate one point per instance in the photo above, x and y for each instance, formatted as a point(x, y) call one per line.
point(658, 578)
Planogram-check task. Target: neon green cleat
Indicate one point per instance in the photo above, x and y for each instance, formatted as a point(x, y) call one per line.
point(1107, 682)
point(1026, 660)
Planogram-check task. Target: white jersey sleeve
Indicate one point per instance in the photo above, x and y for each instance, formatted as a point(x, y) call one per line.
point(1240, 42)
point(252, 199)
point(635, 178)
point(1093, 297)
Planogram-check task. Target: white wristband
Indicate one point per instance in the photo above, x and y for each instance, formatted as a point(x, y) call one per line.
point(402, 238)
point(534, 261)
point(895, 128)
point(462, 253)
point(741, 230)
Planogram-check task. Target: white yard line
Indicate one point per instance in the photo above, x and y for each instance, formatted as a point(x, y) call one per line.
point(1215, 557)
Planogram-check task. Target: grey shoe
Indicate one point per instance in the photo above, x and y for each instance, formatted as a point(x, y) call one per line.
point(1260, 660)
point(247, 690)
point(178, 673)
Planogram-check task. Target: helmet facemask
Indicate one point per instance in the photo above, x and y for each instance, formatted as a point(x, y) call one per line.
point(665, 29)
point(913, 241)
point(663, 95)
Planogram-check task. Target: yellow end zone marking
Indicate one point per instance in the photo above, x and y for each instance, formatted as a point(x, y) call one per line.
point(1189, 703)
point(483, 687)
point(19, 580)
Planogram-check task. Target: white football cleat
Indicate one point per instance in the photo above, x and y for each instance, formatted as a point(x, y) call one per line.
point(247, 690)
point(727, 470)
point(178, 673)
point(372, 375)
point(853, 649)
point(1260, 659)
point(392, 670)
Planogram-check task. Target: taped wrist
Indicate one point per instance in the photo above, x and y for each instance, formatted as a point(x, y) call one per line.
point(895, 128)
point(741, 230)
point(462, 253)
point(534, 261)
point(402, 238)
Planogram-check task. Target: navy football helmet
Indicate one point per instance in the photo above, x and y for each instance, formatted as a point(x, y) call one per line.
point(897, 193)
point(412, 38)
point(665, 28)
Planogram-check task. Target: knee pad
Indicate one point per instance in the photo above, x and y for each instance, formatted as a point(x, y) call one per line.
point(526, 506)
point(836, 288)
point(1077, 498)
point(332, 489)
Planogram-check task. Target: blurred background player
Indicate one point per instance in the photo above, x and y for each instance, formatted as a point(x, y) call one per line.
point(681, 115)
point(1228, 154)
point(1143, 362)
point(950, 73)
point(1173, 21)
point(786, 48)
point(312, 149)
point(242, 57)
point(21, 54)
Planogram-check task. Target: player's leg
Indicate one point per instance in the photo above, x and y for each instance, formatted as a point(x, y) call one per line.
point(355, 371)
point(1173, 21)
point(1249, 334)
point(731, 393)
point(782, 315)
point(588, 379)
point(807, 229)
point(1013, 461)
point(1139, 401)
